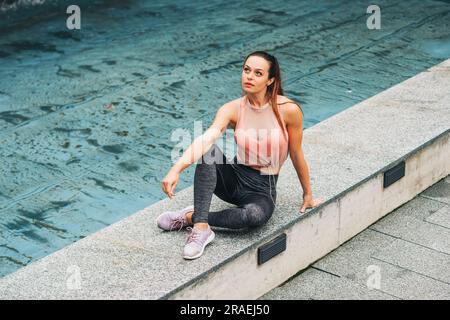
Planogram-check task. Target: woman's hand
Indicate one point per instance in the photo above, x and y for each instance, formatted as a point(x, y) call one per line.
point(169, 183)
point(309, 202)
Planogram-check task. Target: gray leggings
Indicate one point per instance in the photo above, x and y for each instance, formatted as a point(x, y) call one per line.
point(253, 193)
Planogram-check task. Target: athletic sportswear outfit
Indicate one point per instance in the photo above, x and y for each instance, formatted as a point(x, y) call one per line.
point(260, 143)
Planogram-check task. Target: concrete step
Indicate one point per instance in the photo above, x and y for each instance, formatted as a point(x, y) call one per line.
point(405, 255)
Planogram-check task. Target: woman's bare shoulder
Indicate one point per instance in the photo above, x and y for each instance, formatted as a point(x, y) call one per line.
point(233, 105)
point(232, 108)
point(234, 102)
point(288, 108)
point(285, 101)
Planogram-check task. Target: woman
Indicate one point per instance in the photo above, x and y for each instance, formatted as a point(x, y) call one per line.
point(264, 135)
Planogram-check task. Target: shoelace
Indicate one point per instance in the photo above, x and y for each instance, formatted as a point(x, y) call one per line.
point(193, 236)
point(177, 223)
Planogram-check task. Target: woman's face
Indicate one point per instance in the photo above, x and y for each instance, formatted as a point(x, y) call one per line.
point(255, 72)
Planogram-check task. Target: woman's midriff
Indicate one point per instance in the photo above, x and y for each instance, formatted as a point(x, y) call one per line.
point(259, 169)
point(254, 167)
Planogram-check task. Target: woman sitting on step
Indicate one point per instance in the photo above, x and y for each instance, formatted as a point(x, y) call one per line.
point(267, 127)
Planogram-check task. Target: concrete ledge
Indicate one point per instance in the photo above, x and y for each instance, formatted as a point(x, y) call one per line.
point(321, 231)
point(347, 155)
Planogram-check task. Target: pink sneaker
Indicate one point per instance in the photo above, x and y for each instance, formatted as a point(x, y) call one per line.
point(171, 220)
point(196, 242)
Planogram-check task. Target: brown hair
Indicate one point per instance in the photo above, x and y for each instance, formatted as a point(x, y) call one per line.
point(275, 87)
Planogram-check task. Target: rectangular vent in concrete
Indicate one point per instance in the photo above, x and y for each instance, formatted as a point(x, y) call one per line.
point(272, 248)
point(394, 174)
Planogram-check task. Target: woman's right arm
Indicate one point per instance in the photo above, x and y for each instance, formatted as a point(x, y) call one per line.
point(198, 148)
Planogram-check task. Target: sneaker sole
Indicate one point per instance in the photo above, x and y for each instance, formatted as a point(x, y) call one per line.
point(209, 240)
point(189, 208)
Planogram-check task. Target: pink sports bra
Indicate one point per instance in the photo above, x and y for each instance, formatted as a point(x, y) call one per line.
point(259, 138)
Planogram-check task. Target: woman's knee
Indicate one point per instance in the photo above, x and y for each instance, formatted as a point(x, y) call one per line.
point(257, 214)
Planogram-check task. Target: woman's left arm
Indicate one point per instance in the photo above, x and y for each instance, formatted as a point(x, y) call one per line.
point(295, 131)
